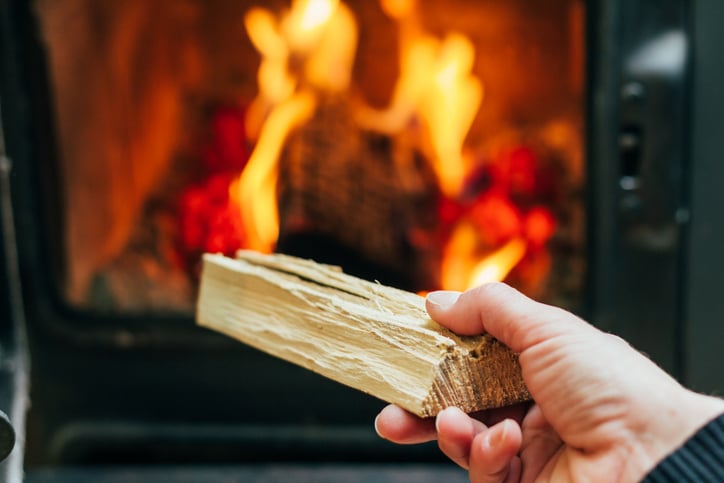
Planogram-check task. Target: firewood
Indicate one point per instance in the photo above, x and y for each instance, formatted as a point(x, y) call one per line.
point(374, 338)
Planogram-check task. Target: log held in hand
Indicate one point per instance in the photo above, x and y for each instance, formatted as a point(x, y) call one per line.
point(376, 339)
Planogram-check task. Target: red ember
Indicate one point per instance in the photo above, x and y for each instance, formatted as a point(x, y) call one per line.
point(209, 221)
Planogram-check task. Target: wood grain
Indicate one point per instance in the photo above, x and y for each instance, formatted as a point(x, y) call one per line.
point(374, 338)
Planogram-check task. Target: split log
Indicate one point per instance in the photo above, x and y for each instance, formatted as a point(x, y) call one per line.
point(374, 338)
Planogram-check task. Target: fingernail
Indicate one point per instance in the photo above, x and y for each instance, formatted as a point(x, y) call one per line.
point(443, 299)
point(437, 419)
point(376, 428)
point(449, 412)
point(496, 437)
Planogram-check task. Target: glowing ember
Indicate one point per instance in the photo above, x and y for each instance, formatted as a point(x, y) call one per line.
point(209, 220)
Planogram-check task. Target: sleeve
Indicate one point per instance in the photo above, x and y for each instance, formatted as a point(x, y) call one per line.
point(701, 458)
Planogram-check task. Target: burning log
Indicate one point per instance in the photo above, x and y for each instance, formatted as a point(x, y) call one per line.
point(371, 192)
point(371, 337)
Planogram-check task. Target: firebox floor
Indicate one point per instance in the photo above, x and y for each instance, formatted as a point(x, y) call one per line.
point(418, 473)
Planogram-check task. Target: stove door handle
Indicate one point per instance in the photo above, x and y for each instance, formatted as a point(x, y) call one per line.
point(7, 436)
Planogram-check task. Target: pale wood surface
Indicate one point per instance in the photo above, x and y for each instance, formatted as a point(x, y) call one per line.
point(374, 338)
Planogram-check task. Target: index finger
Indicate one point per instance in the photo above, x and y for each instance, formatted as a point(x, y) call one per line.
point(503, 312)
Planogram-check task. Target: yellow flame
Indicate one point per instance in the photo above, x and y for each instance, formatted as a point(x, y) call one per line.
point(314, 42)
point(437, 86)
point(495, 267)
point(449, 108)
point(306, 21)
point(462, 266)
point(459, 257)
point(329, 65)
point(307, 51)
point(398, 8)
point(255, 190)
point(263, 31)
point(310, 51)
point(274, 81)
point(316, 13)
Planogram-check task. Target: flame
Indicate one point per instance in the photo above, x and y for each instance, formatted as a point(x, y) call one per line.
point(307, 20)
point(308, 51)
point(463, 267)
point(436, 86)
point(458, 257)
point(451, 102)
point(255, 190)
point(495, 267)
point(275, 83)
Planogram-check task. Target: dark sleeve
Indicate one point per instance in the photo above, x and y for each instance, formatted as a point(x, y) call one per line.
point(701, 458)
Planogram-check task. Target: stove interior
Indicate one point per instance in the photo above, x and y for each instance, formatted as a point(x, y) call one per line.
point(425, 145)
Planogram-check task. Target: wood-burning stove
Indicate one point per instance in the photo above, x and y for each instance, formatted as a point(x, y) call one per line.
point(120, 374)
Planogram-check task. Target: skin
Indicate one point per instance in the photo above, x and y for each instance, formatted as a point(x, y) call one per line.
point(602, 411)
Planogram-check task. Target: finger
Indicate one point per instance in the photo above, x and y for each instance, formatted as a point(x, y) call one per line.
point(493, 454)
point(540, 442)
point(455, 433)
point(399, 426)
point(498, 309)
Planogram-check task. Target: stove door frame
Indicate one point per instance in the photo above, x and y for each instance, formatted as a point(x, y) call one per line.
point(702, 319)
point(638, 172)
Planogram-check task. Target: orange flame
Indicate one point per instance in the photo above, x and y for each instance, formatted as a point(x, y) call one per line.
point(464, 267)
point(309, 51)
point(255, 190)
point(321, 35)
point(436, 86)
point(449, 107)
point(495, 267)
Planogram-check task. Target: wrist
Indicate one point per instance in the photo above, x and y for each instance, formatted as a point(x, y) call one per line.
point(671, 429)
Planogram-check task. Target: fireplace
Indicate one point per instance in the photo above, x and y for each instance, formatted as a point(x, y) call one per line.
point(397, 140)
point(425, 145)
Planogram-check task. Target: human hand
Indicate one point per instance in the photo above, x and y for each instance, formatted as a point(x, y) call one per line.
point(602, 411)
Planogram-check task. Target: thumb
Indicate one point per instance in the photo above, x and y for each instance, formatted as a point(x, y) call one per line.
point(503, 312)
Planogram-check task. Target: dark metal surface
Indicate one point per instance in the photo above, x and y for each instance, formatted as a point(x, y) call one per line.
point(637, 168)
point(419, 473)
point(13, 345)
point(7, 436)
point(704, 324)
point(14, 358)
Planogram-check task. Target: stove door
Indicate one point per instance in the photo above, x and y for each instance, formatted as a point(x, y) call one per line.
point(639, 81)
point(13, 350)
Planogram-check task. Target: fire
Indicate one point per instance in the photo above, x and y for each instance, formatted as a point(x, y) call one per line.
point(496, 266)
point(321, 37)
point(308, 52)
point(255, 190)
point(314, 15)
point(451, 102)
point(437, 86)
